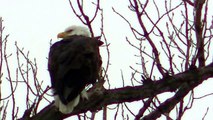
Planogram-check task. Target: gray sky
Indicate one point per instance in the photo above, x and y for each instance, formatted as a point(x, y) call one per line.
point(33, 23)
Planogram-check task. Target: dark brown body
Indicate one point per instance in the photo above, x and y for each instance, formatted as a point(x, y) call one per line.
point(73, 63)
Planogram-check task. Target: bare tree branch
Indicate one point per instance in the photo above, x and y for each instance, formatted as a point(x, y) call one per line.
point(182, 83)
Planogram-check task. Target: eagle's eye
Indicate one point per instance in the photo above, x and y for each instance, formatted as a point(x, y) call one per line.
point(69, 31)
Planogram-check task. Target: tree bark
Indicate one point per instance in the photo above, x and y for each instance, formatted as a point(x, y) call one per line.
point(182, 83)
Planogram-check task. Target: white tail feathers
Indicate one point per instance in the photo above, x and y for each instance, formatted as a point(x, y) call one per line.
point(71, 105)
point(66, 108)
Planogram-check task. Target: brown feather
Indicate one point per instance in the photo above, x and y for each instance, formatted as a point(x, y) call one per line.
point(74, 63)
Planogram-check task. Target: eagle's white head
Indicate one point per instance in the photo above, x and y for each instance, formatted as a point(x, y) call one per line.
point(74, 30)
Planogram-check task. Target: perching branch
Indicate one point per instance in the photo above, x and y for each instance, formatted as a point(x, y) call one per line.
point(182, 83)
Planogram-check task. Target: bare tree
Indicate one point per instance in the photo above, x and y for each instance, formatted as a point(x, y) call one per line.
point(179, 60)
point(19, 71)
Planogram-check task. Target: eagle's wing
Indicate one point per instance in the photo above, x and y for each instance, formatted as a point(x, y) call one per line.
point(73, 63)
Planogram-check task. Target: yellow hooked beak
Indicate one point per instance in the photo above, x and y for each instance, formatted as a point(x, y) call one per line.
point(62, 35)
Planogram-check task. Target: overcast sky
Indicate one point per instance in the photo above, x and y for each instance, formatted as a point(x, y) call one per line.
point(33, 23)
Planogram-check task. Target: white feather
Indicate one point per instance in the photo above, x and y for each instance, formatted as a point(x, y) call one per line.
point(66, 108)
point(71, 105)
point(77, 30)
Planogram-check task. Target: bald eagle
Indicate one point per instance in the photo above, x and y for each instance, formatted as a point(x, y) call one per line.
point(73, 63)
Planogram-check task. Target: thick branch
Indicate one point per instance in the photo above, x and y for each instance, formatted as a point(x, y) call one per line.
point(183, 82)
point(169, 104)
point(199, 29)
